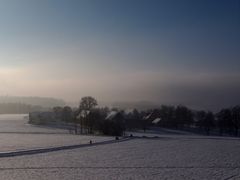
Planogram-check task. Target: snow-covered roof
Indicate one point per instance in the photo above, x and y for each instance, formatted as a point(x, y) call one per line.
point(155, 121)
point(147, 117)
point(111, 115)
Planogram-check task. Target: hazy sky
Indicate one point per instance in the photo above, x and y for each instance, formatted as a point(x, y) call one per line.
point(165, 51)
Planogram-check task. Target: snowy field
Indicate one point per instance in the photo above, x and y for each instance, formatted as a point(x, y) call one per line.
point(17, 134)
point(171, 156)
point(18, 123)
point(166, 158)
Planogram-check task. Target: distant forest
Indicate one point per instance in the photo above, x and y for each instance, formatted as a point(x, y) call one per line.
point(19, 108)
point(34, 101)
point(20, 105)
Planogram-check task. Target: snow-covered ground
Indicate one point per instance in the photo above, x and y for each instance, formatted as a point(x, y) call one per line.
point(158, 132)
point(18, 123)
point(17, 134)
point(171, 156)
point(16, 142)
point(166, 158)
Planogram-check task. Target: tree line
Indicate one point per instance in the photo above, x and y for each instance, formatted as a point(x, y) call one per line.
point(88, 118)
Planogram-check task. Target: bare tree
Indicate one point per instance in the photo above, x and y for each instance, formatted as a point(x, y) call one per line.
point(86, 105)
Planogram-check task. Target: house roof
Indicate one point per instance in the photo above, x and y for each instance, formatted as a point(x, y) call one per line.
point(155, 121)
point(111, 115)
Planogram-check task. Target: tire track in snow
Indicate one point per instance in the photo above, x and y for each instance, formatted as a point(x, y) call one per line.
point(121, 167)
point(60, 148)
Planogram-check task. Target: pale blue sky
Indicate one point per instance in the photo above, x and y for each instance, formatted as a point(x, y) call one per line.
point(166, 51)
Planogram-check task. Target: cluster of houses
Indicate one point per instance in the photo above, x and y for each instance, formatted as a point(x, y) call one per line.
point(49, 118)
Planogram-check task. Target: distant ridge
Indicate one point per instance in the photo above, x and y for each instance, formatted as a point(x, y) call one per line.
point(34, 101)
